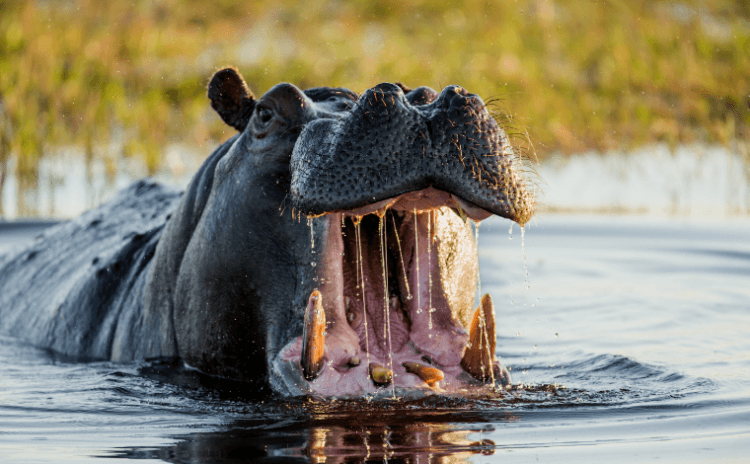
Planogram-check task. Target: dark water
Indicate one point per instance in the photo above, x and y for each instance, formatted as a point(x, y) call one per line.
point(632, 344)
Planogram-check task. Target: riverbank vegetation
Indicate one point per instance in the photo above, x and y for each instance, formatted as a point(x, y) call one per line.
point(578, 75)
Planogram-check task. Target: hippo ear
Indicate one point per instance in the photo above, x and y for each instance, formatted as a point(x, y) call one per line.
point(231, 98)
point(404, 88)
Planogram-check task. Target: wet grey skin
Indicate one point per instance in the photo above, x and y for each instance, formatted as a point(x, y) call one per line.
point(220, 275)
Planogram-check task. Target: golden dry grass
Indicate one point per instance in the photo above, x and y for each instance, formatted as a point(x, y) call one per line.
point(578, 75)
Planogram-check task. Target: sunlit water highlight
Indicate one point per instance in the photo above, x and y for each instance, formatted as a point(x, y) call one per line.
point(688, 181)
point(631, 344)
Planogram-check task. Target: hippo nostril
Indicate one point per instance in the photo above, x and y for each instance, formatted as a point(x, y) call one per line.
point(453, 96)
point(382, 97)
point(421, 96)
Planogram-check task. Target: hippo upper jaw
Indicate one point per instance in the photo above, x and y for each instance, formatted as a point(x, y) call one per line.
point(386, 147)
point(418, 201)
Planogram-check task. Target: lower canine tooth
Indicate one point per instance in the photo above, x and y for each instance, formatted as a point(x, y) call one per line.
point(380, 375)
point(429, 375)
point(313, 337)
point(479, 356)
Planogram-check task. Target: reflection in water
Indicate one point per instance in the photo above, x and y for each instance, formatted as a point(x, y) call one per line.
point(70, 181)
point(692, 181)
point(361, 434)
point(643, 321)
point(431, 443)
point(389, 433)
point(430, 429)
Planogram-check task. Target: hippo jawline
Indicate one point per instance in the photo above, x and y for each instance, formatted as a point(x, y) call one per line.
point(382, 315)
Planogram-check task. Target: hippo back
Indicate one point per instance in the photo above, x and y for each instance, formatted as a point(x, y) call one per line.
point(76, 288)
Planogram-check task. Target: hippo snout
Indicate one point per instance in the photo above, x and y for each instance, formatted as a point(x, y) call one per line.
point(387, 145)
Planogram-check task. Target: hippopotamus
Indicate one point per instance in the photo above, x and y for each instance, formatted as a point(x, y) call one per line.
point(325, 249)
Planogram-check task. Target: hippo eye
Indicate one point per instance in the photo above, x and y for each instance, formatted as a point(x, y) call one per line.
point(264, 114)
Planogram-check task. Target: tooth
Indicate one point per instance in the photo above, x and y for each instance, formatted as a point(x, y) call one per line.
point(462, 214)
point(429, 375)
point(380, 375)
point(313, 337)
point(479, 356)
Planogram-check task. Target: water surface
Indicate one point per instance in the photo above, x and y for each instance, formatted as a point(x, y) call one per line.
point(628, 342)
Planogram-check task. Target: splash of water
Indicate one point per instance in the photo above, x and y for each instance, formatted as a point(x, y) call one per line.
point(361, 282)
point(482, 319)
point(401, 255)
point(386, 307)
point(478, 295)
point(523, 251)
point(312, 234)
point(429, 271)
point(416, 254)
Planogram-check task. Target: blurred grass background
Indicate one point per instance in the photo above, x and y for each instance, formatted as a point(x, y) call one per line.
point(577, 75)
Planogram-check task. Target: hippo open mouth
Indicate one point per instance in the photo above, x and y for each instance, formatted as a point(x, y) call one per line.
point(383, 316)
point(397, 271)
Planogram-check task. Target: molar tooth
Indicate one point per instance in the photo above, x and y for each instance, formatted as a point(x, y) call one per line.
point(313, 337)
point(479, 357)
point(429, 375)
point(380, 375)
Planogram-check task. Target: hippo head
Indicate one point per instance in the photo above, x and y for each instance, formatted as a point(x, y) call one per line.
point(340, 227)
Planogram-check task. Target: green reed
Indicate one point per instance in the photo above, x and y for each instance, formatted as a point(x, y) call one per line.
point(578, 75)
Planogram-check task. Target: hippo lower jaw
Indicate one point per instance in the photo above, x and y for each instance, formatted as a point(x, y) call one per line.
point(381, 316)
